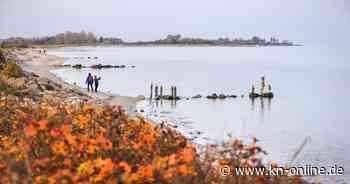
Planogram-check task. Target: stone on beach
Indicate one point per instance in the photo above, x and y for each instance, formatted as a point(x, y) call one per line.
point(78, 66)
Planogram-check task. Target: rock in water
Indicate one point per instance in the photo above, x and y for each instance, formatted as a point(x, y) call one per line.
point(197, 96)
point(222, 96)
point(267, 95)
point(213, 96)
point(253, 95)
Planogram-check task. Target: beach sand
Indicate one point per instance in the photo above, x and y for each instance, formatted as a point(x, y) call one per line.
point(41, 64)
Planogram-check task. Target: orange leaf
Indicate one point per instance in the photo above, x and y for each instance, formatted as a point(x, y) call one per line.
point(66, 126)
point(88, 108)
point(108, 167)
point(42, 124)
point(83, 121)
point(126, 166)
point(188, 155)
point(149, 171)
point(55, 132)
point(31, 131)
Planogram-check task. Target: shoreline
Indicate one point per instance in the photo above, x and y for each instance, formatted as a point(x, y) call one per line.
point(157, 45)
point(42, 64)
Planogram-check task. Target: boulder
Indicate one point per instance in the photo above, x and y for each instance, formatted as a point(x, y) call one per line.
point(232, 96)
point(253, 95)
point(267, 95)
point(77, 66)
point(197, 96)
point(107, 66)
point(222, 96)
point(213, 96)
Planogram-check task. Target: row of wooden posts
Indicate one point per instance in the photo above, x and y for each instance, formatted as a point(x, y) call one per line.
point(160, 95)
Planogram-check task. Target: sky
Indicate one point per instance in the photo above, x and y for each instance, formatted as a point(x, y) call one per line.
point(303, 21)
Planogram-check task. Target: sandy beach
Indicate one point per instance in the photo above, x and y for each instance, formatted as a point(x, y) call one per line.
point(41, 64)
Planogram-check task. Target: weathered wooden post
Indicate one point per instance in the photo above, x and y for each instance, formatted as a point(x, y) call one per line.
point(172, 92)
point(161, 92)
point(263, 83)
point(151, 95)
point(175, 93)
point(156, 91)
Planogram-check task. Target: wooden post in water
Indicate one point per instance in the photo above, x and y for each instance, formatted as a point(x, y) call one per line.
point(172, 92)
point(151, 95)
point(161, 92)
point(175, 93)
point(263, 83)
point(156, 91)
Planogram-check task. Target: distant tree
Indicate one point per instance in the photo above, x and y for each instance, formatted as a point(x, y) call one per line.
point(256, 39)
point(68, 37)
point(100, 40)
point(173, 38)
point(91, 38)
point(83, 38)
point(60, 38)
point(51, 40)
point(15, 42)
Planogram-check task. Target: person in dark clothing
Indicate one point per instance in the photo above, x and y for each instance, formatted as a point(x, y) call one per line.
point(96, 80)
point(89, 81)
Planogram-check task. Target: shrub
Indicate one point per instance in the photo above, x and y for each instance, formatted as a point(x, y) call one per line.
point(11, 69)
point(2, 59)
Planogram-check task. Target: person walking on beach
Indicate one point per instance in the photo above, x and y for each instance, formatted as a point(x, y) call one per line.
point(89, 81)
point(96, 81)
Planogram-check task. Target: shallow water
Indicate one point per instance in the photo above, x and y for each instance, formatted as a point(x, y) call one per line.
point(309, 84)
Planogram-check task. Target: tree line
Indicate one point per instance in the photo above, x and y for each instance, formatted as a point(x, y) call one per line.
point(89, 38)
point(66, 38)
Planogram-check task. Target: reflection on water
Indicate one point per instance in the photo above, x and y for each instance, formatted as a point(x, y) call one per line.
point(261, 109)
point(160, 104)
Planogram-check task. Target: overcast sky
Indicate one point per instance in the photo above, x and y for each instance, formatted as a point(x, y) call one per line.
point(307, 21)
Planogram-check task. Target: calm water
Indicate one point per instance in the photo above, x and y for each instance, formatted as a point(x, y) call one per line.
point(310, 86)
